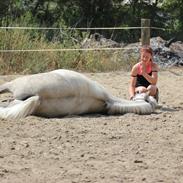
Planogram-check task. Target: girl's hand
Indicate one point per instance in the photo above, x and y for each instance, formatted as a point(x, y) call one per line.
point(143, 67)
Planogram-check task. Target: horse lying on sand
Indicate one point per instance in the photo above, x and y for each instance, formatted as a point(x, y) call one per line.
point(64, 92)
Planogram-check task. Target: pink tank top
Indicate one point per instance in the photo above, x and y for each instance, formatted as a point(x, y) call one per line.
point(148, 68)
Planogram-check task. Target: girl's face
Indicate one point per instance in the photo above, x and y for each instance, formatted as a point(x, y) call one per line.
point(146, 57)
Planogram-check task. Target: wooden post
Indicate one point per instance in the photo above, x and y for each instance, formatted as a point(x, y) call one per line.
point(145, 32)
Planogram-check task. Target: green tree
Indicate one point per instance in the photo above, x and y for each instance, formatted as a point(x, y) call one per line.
point(95, 13)
point(173, 10)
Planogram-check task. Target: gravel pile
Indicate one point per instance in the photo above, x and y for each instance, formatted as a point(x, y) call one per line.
point(166, 53)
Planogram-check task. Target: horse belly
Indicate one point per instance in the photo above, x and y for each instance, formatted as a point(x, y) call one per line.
point(70, 106)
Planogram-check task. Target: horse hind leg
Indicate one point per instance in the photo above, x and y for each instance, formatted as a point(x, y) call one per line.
point(5, 87)
point(19, 109)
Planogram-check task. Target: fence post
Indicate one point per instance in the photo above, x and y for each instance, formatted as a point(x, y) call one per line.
point(145, 32)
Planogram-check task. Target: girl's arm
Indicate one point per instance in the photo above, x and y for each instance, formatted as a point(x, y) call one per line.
point(154, 77)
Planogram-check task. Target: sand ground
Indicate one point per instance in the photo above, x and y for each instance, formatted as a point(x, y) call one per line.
point(98, 148)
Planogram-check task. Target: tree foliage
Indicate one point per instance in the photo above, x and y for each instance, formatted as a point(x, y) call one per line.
point(95, 13)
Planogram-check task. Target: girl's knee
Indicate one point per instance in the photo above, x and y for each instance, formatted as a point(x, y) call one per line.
point(152, 89)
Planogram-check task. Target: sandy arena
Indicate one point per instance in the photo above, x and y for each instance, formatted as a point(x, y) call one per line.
point(96, 148)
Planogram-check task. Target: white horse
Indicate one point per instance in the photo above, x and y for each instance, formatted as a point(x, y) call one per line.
point(63, 92)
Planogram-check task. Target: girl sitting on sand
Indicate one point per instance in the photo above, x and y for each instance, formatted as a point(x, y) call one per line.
point(144, 75)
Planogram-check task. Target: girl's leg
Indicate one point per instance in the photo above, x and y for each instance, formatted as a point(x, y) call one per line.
point(153, 91)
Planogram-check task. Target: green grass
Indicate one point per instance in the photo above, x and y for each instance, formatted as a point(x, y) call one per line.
point(35, 62)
